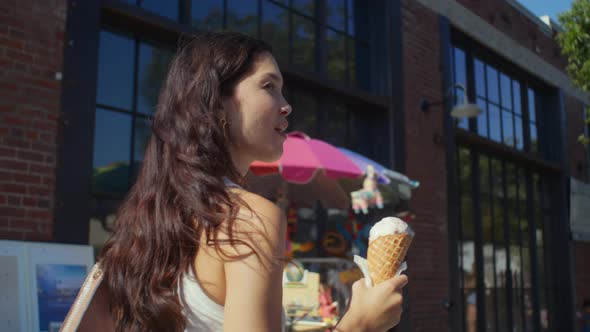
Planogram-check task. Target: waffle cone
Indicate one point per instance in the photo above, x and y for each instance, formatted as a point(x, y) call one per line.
point(386, 254)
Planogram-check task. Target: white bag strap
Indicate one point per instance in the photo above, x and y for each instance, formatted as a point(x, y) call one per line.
point(83, 299)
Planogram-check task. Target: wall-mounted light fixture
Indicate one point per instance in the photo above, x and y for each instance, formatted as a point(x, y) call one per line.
point(460, 111)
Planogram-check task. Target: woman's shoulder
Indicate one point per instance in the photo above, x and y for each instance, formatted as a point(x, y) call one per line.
point(260, 225)
point(255, 207)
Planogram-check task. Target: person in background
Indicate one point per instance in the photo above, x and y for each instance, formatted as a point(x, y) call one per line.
point(328, 308)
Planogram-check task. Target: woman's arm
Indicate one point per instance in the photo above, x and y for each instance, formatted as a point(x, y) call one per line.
point(378, 308)
point(254, 291)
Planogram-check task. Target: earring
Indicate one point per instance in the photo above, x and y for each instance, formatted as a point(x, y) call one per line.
point(223, 125)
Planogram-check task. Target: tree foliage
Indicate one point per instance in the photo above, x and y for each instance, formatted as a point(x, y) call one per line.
point(575, 45)
point(575, 42)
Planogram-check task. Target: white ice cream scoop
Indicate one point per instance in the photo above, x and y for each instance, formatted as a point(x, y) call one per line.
point(389, 226)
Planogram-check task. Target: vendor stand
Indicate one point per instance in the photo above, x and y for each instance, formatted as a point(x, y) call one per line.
point(331, 197)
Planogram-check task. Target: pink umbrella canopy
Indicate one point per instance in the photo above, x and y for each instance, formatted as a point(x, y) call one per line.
point(303, 157)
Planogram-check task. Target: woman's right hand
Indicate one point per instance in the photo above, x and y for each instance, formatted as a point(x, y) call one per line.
point(378, 308)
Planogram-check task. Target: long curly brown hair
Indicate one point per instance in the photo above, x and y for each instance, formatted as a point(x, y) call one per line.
point(180, 191)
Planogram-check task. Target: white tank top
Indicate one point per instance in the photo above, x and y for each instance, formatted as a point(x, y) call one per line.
point(201, 312)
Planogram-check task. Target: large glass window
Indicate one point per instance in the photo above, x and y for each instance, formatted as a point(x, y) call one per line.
point(275, 29)
point(542, 215)
point(534, 128)
point(336, 61)
point(207, 15)
point(130, 74)
point(306, 109)
point(499, 95)
point(242, 16)
point(338, 122)
point(303, 49)
point(459, 77)
point(296, 29)
point(292, 28)
point(504, 221)
point(131, 71)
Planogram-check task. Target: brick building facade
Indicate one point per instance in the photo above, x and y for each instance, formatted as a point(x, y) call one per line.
point(423, 74)
point(48, 125)
point(31, 44)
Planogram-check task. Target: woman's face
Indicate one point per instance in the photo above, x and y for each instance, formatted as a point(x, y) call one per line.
point(257, 115)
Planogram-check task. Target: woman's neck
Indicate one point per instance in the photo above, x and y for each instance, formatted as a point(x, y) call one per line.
point(241, 162)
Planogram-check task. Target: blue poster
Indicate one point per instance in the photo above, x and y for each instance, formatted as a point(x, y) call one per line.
point(57, 287)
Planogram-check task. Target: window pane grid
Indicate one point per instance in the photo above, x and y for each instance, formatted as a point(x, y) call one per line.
point(505, 242)
point(304, 43)
point(498, 95)
point(290, 27)
point(532, 115)
point(242, 16)
point(207, 15)
point(459, 74)
point(253, 16)
point(467, 240)
point(275, 29)
point(337, 66)
point(305, 7)
point(541, 213)
point(489, 245)
point(121, 133)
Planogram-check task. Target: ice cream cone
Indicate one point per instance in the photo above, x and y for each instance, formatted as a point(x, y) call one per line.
point(385, 255)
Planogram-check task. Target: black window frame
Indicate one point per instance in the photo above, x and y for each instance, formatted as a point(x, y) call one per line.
point(475, 51)
point(79, 104)
point(549, 162)
point(133, 112)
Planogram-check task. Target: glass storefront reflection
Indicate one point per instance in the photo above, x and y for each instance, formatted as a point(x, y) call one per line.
point(352, 61)
point(305, 119)
point(304, 43)
point(336, 61)
point(207, 15)
point(306, 7)
point(152, 70)
point(168, 8)
point(142, 133)
point(505, 233)
point(336, 14)
point(242, 16)
point(115, 70)
point(275, 29)
point(482, 119)
point(112, 150)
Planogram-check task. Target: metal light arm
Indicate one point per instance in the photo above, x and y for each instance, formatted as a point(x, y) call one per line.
point(464, 110)
point(425, 104)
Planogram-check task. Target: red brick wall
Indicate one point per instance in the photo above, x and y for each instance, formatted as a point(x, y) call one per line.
point(426, 160)
point(31, 42)
point(519, 27)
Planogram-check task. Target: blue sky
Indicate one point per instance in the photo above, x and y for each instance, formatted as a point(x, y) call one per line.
point(547, 7)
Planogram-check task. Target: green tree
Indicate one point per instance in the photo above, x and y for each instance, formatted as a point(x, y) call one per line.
point(575, 45)
point(575, 42)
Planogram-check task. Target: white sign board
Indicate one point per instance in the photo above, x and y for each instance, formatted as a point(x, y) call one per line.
point(580, 210)
point(14, 290)
point(39, 282)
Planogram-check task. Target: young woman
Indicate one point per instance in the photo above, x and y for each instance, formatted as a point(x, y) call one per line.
point(194, 251)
